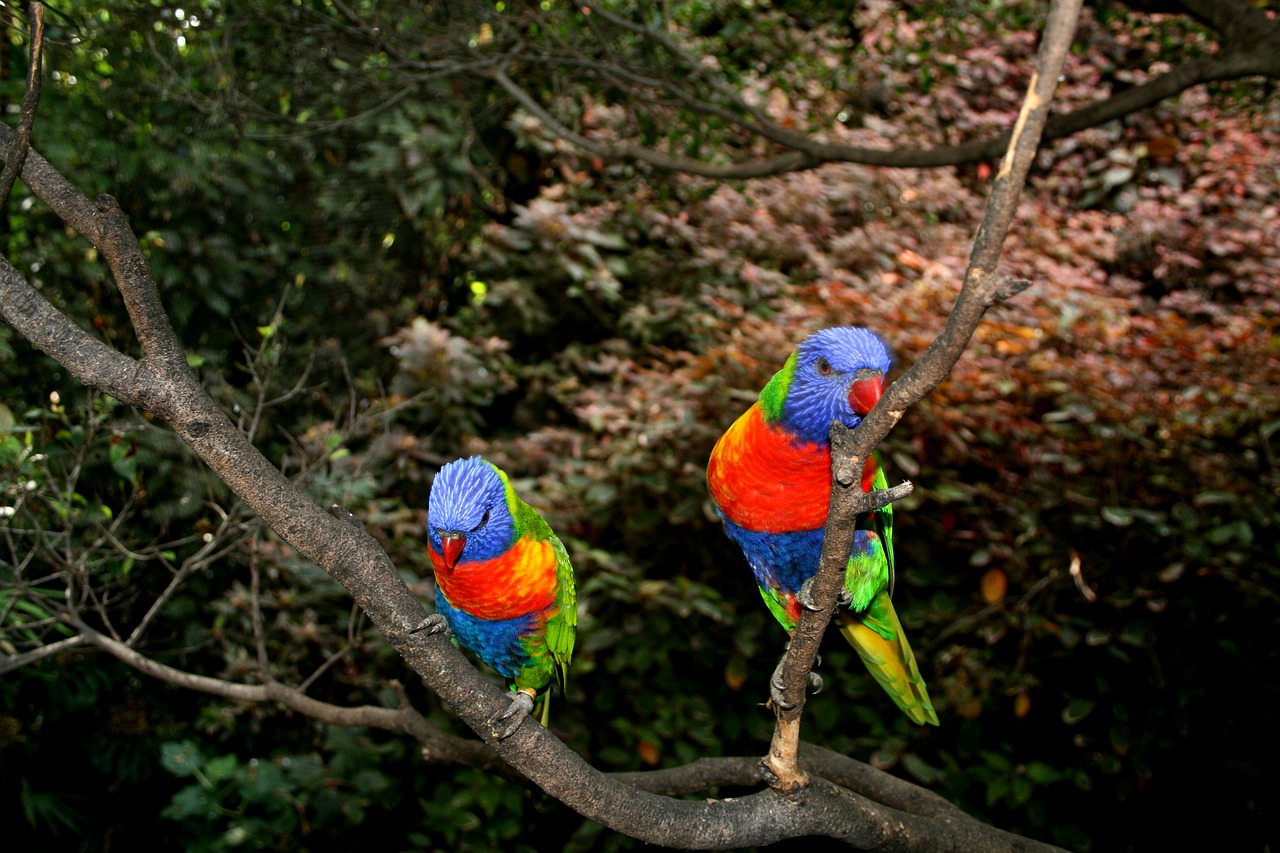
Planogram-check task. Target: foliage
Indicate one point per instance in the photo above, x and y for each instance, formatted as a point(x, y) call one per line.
point(379, 284)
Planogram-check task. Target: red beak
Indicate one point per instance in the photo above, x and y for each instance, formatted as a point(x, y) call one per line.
point(865, 393)
point(451, 545)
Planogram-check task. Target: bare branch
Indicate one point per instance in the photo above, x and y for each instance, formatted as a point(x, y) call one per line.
point(436, 744)
point(1251, 46)
point(12, 662)
point(30, 101)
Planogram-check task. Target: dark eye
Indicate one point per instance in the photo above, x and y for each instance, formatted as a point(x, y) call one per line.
point(823, 366)
point(483, 522)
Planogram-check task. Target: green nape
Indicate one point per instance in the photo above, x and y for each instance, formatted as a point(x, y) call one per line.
point(774, 394)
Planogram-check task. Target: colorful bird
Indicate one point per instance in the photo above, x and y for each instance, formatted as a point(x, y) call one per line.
point(770, 479)
point(504, 584)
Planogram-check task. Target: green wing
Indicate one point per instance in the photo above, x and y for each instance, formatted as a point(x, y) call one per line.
point(870, 567)
point(563, 626)
point(871, 626)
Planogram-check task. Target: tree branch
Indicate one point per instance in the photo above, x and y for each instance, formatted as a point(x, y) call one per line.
point(849, 450)
point(436, 745)
point(30, 101)
point(1251, 46)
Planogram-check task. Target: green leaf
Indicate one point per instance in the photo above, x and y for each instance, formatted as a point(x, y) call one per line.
point(221, 768)
point(181, 758)
point(123, 459)
point(1119, 516)
point(191, 802)
point(1077, 710)
point(1041, 773)
point(924, 772)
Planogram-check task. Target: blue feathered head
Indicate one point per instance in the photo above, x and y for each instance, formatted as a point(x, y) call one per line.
point(468, 515)
point(834, 374)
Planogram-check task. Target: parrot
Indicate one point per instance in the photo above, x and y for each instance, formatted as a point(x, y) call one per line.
point(504, 583)
point(769, 477)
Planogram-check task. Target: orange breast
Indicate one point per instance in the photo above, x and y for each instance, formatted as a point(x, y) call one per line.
point(521, 581)
point(766, 480)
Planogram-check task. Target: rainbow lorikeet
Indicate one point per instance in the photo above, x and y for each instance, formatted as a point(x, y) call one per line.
point(770, 479)
point(504, 584)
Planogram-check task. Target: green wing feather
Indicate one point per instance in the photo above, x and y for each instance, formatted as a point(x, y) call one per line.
point(877, 636)
point(561, 627)
point(870, 570)
point(871, 626)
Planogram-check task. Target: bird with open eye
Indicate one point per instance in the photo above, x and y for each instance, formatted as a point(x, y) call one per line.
point(770, 481)
point(504, 583)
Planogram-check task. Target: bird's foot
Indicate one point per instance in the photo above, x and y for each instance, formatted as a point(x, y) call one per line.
point(776, 685)
point(433, 624)
point(805, 596)
point(815, 683)
point(505, 724)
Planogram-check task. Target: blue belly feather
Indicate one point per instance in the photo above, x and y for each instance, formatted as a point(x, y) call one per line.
point(500, 643)
point(782, 561)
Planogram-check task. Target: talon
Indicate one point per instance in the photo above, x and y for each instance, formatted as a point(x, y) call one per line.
point(433, 624)
point(775, 696)
point(776, 687)
point(843, 598)
point(805, 596)
point(815, 682)
point(521, 706)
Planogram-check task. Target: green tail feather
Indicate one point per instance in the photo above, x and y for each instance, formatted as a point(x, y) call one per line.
point(878, 638)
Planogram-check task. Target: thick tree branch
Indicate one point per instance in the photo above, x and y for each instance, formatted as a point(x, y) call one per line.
point(982, 288)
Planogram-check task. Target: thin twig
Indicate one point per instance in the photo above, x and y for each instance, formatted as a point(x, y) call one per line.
point(30, 101)
point(255, 609)
point(12, 662)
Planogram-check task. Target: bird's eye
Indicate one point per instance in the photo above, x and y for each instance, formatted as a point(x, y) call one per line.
point(483, 521)
point(823, 366)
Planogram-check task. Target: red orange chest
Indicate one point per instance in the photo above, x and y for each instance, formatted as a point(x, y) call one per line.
point(764, 479)
point(516, 583)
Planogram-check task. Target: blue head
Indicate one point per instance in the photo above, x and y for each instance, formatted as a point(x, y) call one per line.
point(837, 374)
point(468, 512)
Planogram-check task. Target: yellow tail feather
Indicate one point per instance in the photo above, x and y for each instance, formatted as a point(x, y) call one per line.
point(889, 658)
